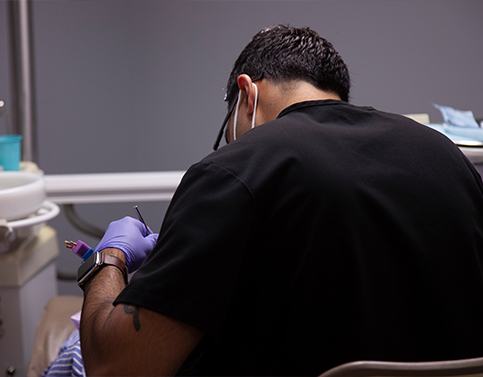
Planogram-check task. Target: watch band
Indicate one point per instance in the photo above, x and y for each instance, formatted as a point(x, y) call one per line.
point(111, 260)
point(95, 263)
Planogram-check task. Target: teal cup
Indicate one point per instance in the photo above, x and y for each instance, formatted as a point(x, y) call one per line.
point(10, 149)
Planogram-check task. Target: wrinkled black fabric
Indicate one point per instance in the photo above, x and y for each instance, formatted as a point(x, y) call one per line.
point(331, 234)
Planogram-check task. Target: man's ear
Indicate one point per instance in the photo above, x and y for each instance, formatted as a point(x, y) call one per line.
point(248, 91)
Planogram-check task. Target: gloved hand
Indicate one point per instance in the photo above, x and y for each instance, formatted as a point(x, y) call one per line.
point(129, 236)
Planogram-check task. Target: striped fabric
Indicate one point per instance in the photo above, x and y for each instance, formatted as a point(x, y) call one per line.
point(69, 360)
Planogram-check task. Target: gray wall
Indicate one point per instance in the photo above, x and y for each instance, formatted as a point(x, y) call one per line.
point(137, 85)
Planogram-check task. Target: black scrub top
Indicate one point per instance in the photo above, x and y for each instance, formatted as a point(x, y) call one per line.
point(334, 233)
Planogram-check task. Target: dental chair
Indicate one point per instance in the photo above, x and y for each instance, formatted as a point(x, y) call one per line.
point(453, 368)
point(53, 329)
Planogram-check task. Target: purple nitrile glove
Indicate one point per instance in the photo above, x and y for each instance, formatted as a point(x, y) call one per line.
point(129, 236)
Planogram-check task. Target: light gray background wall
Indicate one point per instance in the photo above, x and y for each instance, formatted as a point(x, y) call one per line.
point(137, 85)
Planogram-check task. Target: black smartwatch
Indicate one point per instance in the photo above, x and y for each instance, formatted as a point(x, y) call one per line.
point(95, 263)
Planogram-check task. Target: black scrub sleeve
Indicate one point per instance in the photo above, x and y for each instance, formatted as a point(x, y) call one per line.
point(193, 270)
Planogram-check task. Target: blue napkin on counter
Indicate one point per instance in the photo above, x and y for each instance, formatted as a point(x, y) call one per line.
point(458, 124)
point(457, 118)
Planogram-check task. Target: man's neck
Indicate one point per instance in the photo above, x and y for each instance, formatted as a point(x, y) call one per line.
point(282, 95)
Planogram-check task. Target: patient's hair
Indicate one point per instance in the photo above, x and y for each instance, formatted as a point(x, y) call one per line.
point(281, 53)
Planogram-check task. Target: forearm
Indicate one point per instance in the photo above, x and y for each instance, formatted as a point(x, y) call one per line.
point(96, 329)
point(123, 339)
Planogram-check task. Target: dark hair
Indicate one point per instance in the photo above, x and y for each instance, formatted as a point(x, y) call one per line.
point(287, 53)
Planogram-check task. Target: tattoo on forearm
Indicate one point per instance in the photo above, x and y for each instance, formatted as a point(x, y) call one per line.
point(134, 311)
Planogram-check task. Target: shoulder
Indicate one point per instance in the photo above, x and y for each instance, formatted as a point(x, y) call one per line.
point(267, 140)
point(263, 149)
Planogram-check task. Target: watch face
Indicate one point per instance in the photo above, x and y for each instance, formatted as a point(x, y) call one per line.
point(88, 266)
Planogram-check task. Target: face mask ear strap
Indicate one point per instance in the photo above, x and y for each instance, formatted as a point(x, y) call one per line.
point(255, 105)
point(235, 116)
point(235, 120)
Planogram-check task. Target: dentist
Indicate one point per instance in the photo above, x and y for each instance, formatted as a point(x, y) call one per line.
point(323, 233)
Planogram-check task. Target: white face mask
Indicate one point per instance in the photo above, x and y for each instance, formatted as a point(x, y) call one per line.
point(235, 120)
